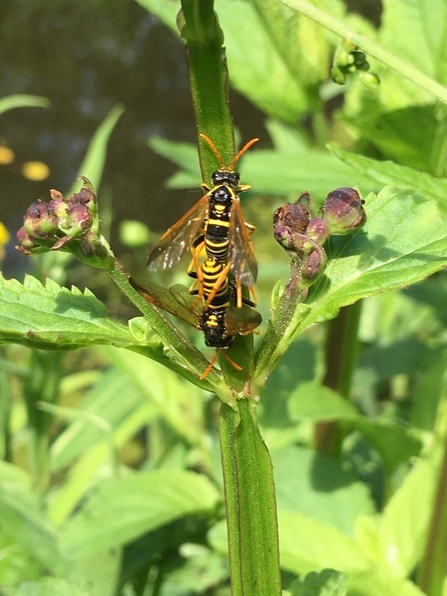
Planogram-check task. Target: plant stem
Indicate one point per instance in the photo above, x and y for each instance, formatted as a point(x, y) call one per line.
point(250, 504)
point(341, 355)
point(370, 48)
point(433, 569)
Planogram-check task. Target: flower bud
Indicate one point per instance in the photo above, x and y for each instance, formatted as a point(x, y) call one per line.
point(370, 79)
point(27, 245)
point(294, 216)
point(318, 230)
point(38, 222)
point(343, 211)
point(313, 266)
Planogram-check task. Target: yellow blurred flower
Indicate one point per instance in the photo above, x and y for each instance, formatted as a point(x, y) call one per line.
point(35, 170)
point(6, 155)
point(4, 239)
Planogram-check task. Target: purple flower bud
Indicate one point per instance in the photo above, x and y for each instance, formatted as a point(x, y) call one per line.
point(78, 220)
point(343, 211)
point(58, 204)
point(294, 216)
point(27, 245)
point(318, 230)
point(313, 266)
point(38, 222)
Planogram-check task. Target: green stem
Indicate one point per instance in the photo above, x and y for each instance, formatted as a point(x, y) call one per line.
point(5, 401)
point(370, 48)
point(341, 356)
point(282, 325)
point(433, 569)
point(250, 504)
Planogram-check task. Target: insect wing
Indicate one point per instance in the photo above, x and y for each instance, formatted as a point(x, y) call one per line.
point(177, 240)
point(241, 320)
point(175, 300)
point(242, 256)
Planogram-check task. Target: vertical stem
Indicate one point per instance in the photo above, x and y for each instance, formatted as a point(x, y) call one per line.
point(433, 569)
point(341, 355)
point(251, 504)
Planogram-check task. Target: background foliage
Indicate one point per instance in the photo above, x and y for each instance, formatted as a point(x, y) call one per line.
point(111, 479)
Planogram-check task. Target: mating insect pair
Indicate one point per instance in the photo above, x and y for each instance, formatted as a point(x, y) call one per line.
point(216, 225)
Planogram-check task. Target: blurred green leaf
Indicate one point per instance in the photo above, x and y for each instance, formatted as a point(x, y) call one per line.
point(22, 519)
point(403, 525)
point(123, 509)
point(325, 583)
point(23, 101)
point(51, 586)
point(318, 486)
point(254, 46)
point(93, 163)
point(309, 545)
point(318, 403)
point(292, 167)
point(112, 399)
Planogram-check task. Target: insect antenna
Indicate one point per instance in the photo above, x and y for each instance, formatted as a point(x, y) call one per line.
point(241, 153)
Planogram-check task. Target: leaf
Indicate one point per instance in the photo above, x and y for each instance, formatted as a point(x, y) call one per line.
point(23, 521)
point(325, 583)
point(403, 241)
point(22, 101)
point(52, 317)
point(423, 45)
point(291, 168)
point(403, 525)
point(319, 487)
point(388, 172)
point(318, 403)
point(50, 586)
point(104, 402)
point(309, 545)
point(123, 509)
point(252, 50)
point(93, 163)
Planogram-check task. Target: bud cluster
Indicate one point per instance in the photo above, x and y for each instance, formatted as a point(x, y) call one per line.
point(349, 60)
point(70, 224)
point(303, 236)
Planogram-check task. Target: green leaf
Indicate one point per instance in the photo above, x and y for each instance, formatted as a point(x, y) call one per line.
point(172, 398)
point(22, 519)
point(318, 403)
point(124, 509)
point(309, 545)
point(104, 402)
point(292, 167)
point(403, 525)
point(423, 44)
point(22, 101)
point(55, 318)
point(335, 498)
point(93, 164)
point(256, 43)
point(325, 583)
point(51, 586)
point(388, 172)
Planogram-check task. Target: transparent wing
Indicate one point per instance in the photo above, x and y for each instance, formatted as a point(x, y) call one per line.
point(243, 261)
point(241, 320)
point(175, 300)
point(177, 240)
